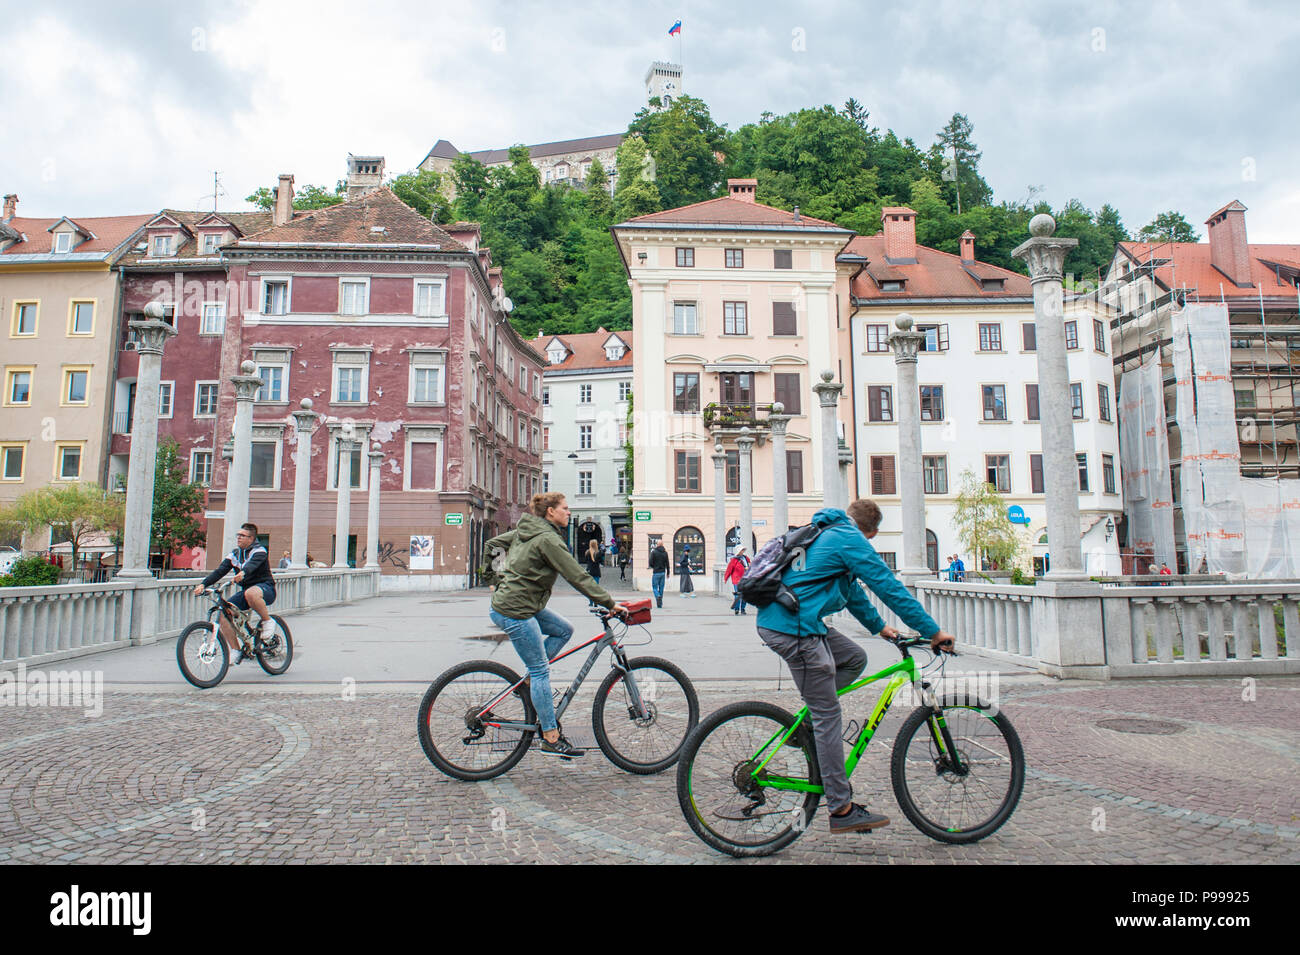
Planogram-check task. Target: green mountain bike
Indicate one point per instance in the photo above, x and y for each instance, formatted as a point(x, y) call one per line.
point(748, 780)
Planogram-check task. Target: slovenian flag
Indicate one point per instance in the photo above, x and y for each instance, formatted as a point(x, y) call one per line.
point(677, 28)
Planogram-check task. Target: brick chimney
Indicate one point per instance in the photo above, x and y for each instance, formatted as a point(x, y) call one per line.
point(968, 246)
point(283, 200)
point(1229, 252)
point(742, 189)
point(900, 232)
point(11, 206)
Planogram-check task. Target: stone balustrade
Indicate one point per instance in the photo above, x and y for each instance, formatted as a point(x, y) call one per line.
point(1084, 629)
point(43, 624)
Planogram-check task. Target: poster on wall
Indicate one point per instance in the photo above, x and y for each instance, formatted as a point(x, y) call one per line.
point(421, 552)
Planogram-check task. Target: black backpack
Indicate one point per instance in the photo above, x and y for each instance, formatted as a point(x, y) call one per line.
point(762, 584)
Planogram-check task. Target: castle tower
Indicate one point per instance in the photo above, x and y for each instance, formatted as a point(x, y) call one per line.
point(365, 174)
point(663, 80)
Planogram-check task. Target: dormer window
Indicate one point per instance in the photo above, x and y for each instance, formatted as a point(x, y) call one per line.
point(63, 242)
point(161, 245)
point(992, 285)
point(891, 285)
point(211, 240)
point(556, 355)
point(614, 352)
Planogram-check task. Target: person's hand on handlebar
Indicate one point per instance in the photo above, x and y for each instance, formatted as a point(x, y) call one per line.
point(618, 610)
point(942, 641)
point(890, 633)
point(198, 590)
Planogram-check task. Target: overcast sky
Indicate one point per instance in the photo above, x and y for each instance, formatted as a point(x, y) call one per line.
point(119, 108)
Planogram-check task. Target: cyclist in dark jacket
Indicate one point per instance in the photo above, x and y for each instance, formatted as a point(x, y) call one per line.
point(252, 565)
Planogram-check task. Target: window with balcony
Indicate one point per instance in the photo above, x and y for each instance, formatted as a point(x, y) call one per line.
point(737, 391)
point(734, 320)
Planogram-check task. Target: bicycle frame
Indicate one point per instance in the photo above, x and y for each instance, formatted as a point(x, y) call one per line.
point(601, 641)
point(899, 675)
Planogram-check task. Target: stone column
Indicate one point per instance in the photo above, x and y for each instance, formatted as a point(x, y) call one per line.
point(304, 422)
point(137, 529)
point(343, 507)
point(241, 462)
point(911, 481)
point(828, 393)
point(372, 514)
point(719, 516)
point(1045, 257)
point(778, 420)
point(846, 458)
point(745, 444)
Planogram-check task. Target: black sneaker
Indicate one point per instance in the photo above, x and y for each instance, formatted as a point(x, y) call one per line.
point(561, 747)
point(858, 819)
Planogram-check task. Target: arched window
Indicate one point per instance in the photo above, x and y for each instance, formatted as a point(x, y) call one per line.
point(733, 541)
point(1043, 539)
point(692, 538)
point(931, 551)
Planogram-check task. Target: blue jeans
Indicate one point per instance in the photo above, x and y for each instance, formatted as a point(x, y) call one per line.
point(739, 602)
point(657, 584)
point(527, 638)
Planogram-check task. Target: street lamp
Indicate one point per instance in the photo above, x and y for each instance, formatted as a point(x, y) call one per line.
point(1110, 528)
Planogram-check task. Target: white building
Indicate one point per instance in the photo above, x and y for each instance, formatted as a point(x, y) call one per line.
point(978, 375)
point(585, 391)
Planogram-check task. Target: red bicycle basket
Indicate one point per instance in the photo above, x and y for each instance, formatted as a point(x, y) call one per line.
point(638, 611)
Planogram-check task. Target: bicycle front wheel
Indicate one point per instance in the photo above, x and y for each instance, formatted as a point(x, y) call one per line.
point(966, 799)
point(202, 654)
point(722, 803)
point(647, 739)
point(276, 654)
point(454, 736)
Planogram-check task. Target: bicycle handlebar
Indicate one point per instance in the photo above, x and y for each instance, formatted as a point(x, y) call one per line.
point(907, 643)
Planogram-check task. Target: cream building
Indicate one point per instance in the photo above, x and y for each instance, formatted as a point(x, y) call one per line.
point(735, 305)
point(58, 296)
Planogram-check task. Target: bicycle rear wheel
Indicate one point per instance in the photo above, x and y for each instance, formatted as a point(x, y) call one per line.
point(648, 743)
point(202, 654)
point(276, 654)
point(453, 736)
point(717, 795)
point(958, 803)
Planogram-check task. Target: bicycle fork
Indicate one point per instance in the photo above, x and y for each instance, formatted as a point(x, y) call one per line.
point(637, 709)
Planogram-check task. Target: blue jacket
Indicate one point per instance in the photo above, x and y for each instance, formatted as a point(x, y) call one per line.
point(839, 558)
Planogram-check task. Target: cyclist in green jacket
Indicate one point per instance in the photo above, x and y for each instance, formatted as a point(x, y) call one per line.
point(524, 563)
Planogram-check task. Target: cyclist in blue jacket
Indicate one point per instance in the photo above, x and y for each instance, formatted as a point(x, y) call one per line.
point(823, 660)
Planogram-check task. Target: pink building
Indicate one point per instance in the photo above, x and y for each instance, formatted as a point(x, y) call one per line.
point(394, 328)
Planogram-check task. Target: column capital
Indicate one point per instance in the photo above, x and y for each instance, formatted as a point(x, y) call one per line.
point(376, 459)
point(247, 383)
point(1042, 253)
point(828, 389)
point(745, 440)
point(304, 421)
point(719, 456)
point(905, 342)
point(778, 420)
point(153, 335)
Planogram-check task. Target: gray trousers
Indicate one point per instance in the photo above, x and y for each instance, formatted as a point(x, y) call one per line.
point(821, 666)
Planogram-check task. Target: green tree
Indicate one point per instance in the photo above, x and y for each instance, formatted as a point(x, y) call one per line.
point(856, 113)
point(600, 204)
point(1168, 227)
point(75, 510)
point(470, 179)
point(177, 505)
point(982, 524)
point(636, 193)
point(422, 190)
point(684, 142)
point(957, 136)
point(30, 572)
point(304, 199)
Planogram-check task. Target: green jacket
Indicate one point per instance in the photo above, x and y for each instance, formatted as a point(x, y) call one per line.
point(522, 563)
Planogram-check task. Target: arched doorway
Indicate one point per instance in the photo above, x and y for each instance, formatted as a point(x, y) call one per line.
point(931, 551)
point(588, 530)
point(733, 541)
point(692, 538)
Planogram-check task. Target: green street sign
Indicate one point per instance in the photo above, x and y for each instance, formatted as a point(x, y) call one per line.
point(455, 520)
point(642, 515)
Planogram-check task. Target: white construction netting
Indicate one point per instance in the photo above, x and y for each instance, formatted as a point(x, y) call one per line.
point(1144, 456)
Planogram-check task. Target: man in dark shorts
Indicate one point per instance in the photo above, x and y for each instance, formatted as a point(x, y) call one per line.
point(252, 566)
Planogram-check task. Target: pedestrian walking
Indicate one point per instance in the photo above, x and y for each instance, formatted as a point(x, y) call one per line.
point(685, 586)
point(659, 564)
point(736, 568)
point(592, 561)
point(623, 558)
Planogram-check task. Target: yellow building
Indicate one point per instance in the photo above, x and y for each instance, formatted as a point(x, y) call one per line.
point(735, 305)
point(58, 298)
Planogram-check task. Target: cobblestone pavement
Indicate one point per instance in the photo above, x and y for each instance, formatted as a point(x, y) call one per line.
point(300, 775)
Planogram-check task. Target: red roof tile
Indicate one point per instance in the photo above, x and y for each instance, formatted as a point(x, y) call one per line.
point(355, 222)
point(728, 211)
point(1190, 267)
point(935, 275)
point(109, 232)
point(587, 351)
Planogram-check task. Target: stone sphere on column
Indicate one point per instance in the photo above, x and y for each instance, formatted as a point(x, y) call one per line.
point(778, 408)
point(248, 367)
point(305, 404)
point(1042, 225)
point(903, 322)
point(717, 448)
point(828, 375)
point(155, 311)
